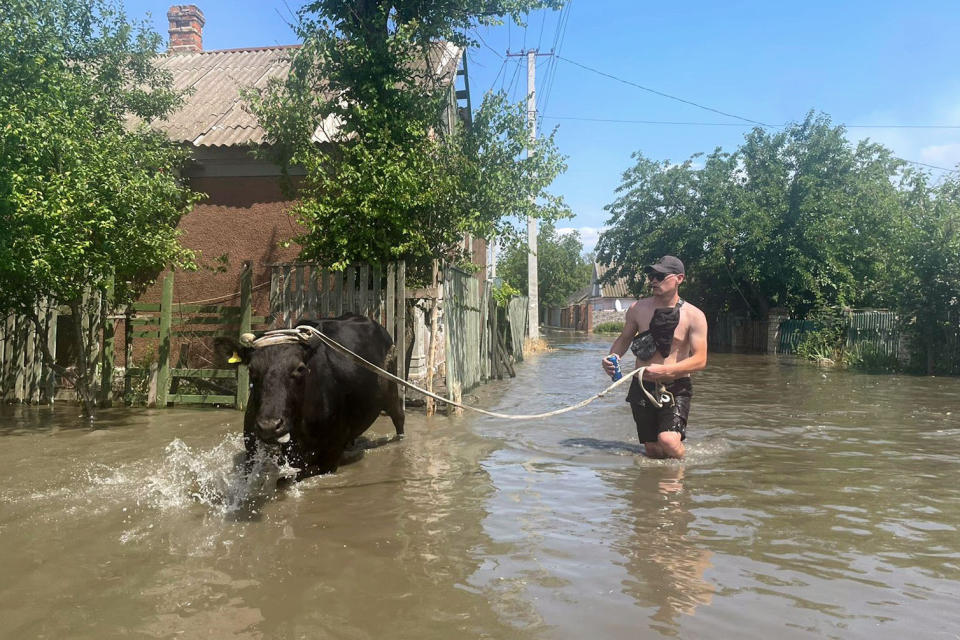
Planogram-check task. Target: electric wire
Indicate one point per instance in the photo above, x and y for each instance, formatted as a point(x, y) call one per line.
point(738, 124)
point(558, 40)
point(661, 93)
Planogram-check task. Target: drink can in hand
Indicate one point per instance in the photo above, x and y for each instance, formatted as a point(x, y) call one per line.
point(617, 373)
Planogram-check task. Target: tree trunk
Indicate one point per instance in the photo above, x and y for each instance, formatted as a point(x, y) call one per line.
point(83, 375)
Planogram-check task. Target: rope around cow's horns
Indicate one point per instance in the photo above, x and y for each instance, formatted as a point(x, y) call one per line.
point(304, 333)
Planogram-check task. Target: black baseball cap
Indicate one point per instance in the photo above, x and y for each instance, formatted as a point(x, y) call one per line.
point(665, 265)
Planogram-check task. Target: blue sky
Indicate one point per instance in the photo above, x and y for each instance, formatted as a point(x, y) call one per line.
point(862, 63)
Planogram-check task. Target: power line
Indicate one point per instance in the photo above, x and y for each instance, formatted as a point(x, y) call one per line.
point(497, 77)
point(731, 115)
point(767, 126)
point(664, 122)
point(661, 93)
point(737, 124)
point(559, 36)
point(495, 52)
point(924, 164)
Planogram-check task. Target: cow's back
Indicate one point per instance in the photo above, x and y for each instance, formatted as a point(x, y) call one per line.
point(345, 397)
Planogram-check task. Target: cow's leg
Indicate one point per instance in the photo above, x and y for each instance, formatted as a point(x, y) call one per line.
point(249, 440)
point(390, 392)
point(395, 407)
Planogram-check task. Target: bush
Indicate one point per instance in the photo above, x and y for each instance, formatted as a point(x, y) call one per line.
point(867, 357)
point(608, 327)
point(827, 342)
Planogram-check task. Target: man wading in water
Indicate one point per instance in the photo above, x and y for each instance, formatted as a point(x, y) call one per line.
point(669, 337)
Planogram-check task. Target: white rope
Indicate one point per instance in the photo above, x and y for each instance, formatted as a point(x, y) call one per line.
point(305, 331)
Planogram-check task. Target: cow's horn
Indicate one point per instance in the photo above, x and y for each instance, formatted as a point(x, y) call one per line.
point(246, 339)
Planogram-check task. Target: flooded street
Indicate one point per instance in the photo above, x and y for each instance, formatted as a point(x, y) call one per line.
point(812, 504)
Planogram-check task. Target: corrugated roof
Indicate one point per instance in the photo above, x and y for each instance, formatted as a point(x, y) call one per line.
point(214, 114)
point(616, 289)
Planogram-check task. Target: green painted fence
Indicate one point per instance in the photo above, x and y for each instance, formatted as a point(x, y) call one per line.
point(879, 329)
point(168, 325)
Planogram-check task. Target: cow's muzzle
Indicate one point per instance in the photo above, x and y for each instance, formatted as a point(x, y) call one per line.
point(272, 430)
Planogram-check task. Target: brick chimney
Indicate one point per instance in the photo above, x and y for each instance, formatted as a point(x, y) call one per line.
point(186, 28)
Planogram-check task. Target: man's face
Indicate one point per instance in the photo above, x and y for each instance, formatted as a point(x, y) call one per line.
point(664, 283)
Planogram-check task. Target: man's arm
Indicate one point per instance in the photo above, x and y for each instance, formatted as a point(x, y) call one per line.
point(696, 361)
point(622, 343)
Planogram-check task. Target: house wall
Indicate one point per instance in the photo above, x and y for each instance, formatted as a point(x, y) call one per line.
point(243, 218)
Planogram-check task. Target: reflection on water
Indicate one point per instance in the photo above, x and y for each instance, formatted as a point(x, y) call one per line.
point(666, 565)
point(812, 504)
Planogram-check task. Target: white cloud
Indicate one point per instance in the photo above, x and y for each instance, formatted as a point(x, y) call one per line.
point(940, 147)
point(588, 235)
point(944, 155)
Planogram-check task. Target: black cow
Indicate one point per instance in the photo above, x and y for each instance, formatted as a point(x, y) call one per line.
point(318, 397)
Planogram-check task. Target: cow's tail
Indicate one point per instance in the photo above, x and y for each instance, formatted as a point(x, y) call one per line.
point(390, 361)
point(391, 391)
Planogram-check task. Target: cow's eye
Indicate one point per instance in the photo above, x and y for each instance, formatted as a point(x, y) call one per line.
point(299, 371)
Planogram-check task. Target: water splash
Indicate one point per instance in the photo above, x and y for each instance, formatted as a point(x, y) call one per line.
point(218, 478)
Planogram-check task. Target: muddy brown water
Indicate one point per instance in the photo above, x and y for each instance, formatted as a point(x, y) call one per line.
point(812, 504)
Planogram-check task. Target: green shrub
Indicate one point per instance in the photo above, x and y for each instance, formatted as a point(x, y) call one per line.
point(608, 327)
point(828, 341)
point(867, 357)
point(504, 293)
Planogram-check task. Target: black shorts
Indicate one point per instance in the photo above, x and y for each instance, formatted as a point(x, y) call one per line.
point(652, 421)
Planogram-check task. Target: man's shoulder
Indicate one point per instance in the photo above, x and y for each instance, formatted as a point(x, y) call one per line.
point(693, 312)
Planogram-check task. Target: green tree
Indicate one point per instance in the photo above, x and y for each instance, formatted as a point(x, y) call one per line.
point(391, 177)
point(561, 269)
point(84, 195)
point(928, 285)
point(796, 218)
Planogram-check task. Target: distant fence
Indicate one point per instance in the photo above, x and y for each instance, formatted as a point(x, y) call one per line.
point(879, 329)
point(791, 333)
point(780, 334)
point(575, 317)
point(738, 333)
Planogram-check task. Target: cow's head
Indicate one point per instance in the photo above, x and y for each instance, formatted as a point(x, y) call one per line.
point(278, 372)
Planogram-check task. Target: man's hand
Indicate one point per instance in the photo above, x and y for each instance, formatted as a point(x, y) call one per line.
point(656, 373)
point(607, 366)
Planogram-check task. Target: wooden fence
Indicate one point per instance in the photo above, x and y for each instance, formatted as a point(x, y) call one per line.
point(169, 325)
point(482, 341)
point(738, 333)
point(517, 312)
point(306, 291)
point(23, 375)
point(576, 317)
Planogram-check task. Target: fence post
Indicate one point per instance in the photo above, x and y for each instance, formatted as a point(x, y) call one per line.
point(109, 331)
point(163, 354)
point(402, 332)
point(774, 318)
point(391, 300)
point(31, 368)
point(51, 314)
point(243, 373)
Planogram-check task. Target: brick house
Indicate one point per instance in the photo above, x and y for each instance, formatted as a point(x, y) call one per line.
point(245, 215)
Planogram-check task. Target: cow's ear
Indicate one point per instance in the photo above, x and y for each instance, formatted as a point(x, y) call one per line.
point(241, 355)
point(230, 352)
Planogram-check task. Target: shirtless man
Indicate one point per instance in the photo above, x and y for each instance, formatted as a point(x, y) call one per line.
point(669, 337)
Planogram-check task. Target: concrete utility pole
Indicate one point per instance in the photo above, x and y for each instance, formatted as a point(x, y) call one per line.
point(533, 308)
point(533, 283)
